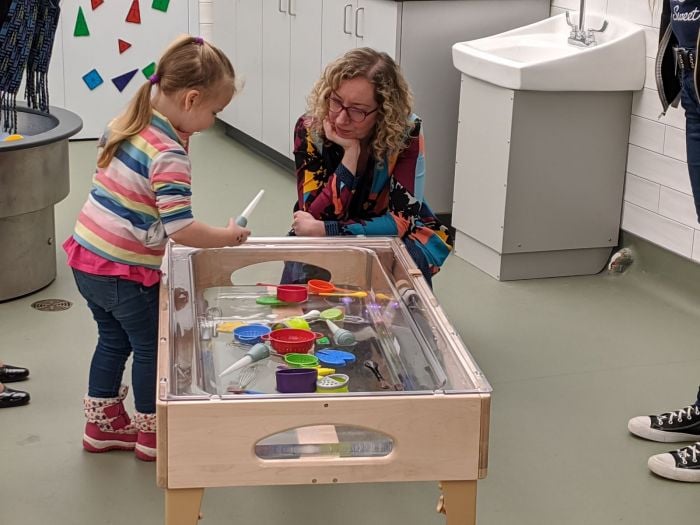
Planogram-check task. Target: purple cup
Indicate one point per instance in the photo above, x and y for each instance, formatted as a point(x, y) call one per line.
point(296, 380)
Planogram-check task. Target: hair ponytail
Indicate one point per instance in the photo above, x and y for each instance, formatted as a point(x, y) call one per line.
point(188, 63)
point(134, 120)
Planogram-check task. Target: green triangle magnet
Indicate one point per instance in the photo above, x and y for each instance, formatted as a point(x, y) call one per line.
point(81, 27)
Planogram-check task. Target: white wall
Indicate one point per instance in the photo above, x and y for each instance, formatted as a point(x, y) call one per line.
point(658, 200)
point(206, 19)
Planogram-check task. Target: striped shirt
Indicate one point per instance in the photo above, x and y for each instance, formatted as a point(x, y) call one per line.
point(141, 198)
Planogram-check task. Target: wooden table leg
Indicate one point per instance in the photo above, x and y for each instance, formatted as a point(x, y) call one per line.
point(458, 502)
point(182, 506)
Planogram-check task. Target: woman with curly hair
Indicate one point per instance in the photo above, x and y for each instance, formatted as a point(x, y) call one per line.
point(360, 164)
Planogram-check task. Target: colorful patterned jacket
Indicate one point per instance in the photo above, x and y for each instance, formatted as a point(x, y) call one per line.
point(386, 199)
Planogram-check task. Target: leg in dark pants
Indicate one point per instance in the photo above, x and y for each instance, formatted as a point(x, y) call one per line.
point(692, 134)
point(126, 313)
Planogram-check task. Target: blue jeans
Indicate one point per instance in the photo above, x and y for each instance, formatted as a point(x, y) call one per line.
point(690, 103)
point(126, 313)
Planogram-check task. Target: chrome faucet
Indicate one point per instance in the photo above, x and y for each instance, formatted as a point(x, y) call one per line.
point(580, 36)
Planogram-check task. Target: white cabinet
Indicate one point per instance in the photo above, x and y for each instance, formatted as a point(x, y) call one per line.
point(291, 63)
point(359, 23)
point(276, 74)
point(305, 57)
point(238, 33)
point(299, 37)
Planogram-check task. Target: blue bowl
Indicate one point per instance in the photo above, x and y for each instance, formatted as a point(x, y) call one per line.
point(250, 334)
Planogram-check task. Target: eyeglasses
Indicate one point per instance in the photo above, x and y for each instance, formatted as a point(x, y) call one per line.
point(335, 106)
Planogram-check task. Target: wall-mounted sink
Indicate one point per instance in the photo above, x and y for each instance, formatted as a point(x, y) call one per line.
point(538, 57)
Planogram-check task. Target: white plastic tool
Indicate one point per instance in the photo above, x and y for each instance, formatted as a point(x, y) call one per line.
point(242, 219)
point(341, 336)
point(258, 352)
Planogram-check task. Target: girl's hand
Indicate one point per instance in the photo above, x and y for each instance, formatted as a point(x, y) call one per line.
point(304, 225)
point(237, 234)
point(332, 135)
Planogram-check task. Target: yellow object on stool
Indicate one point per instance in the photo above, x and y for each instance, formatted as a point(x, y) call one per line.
point(228, 326)
point(12, 138)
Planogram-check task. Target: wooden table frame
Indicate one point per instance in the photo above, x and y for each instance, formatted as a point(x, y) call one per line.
point(458, 422)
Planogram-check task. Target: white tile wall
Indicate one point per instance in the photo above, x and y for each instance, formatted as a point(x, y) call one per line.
point(658, 199)
point(205, 19)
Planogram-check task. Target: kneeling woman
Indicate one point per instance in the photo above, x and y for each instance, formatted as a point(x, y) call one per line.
point(360, 164)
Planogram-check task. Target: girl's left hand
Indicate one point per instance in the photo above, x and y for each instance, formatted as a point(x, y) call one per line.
point(305, 225)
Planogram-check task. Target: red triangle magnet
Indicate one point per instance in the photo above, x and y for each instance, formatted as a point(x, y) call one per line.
point(96, 3)
point(123, 45)
point(134, 15)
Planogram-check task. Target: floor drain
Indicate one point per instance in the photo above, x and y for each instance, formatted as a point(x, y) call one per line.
point(52, 305)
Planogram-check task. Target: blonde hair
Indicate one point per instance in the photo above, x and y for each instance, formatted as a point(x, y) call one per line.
point(188, 63)
point(391, 92)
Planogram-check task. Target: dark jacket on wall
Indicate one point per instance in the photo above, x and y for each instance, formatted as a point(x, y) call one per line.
point(667, 81)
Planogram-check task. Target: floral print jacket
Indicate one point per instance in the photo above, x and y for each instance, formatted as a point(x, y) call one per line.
point(386, 199)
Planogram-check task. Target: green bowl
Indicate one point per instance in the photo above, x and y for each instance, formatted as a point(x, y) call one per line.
point(301, 360)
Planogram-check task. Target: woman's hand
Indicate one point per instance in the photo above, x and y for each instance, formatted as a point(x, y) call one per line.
point(304, 225)
point(352, 145)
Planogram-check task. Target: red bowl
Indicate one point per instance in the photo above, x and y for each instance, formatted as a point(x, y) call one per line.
point(292, 293)
point(288, 340)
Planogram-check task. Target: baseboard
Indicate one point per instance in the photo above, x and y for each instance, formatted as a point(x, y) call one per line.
point(259, 148)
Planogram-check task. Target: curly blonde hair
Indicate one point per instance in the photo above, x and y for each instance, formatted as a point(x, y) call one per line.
point(391, 92)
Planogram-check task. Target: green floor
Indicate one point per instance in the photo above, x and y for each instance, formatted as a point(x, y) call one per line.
point(570, 360)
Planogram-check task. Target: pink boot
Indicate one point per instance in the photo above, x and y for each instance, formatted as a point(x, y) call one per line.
point(108, 426)
point(146, 441)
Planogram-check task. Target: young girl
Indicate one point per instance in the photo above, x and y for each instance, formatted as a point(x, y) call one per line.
point(140, 197)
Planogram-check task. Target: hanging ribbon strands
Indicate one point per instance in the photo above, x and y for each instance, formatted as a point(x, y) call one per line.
point(37, 92)
point(27, 31)
point(16, 34)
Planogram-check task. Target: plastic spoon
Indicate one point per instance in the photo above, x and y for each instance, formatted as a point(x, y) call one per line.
point(311, 315)
point(348, 294)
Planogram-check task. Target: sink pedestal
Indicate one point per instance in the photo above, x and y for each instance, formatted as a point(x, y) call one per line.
point(539, 179)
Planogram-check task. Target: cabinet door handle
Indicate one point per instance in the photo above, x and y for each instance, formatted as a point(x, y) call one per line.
point(357, 22)
point(292, 3)
point(279, 7)
point(345, 19)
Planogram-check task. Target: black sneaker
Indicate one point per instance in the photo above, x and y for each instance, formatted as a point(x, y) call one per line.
point(670, 427)
point(682, 464)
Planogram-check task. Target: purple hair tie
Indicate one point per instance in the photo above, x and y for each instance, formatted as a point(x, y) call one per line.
point(154, 79)
point(199, 40)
